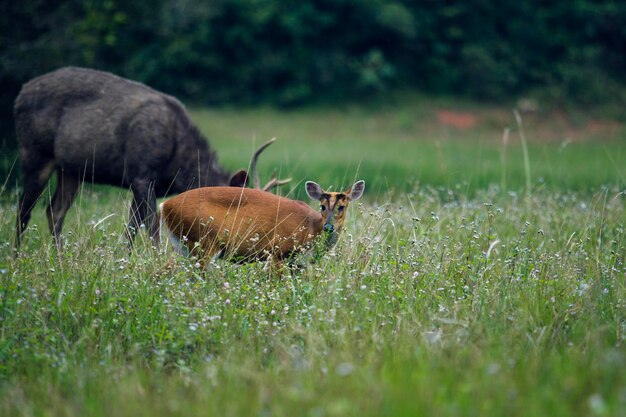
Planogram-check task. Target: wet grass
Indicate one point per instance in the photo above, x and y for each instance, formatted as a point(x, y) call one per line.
point(496, 305)
point(451, 298)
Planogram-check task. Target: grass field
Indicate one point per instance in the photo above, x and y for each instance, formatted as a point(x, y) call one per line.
point(456, 290)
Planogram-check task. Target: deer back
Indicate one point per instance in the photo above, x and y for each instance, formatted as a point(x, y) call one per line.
point(107, 129)
point(246, 223)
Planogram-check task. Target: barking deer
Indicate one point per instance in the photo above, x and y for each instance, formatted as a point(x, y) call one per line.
point(245, 225)
point(94, 126)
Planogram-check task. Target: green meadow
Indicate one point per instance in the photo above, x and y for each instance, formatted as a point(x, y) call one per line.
point(398, 145)
point(482, 274)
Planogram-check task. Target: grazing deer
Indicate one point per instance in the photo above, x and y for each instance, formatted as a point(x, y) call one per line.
point(94, 126)
point(245, 225)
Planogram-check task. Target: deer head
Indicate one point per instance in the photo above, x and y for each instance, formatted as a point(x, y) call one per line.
point(333, 206)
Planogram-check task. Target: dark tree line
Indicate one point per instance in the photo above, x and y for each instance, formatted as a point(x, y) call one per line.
point(293, 52)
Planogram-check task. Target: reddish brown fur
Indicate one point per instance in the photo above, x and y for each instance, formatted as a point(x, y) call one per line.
point(245, 223)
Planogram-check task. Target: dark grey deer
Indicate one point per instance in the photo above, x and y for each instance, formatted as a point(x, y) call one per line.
point(94, 126)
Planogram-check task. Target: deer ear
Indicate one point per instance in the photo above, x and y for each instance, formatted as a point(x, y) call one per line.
point(239, 179)
point(313, 190)
point(356, 191)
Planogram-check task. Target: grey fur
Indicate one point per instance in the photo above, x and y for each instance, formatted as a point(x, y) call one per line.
point(88, 125)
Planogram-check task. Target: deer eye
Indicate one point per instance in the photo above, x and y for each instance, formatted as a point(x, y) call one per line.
point(341, 208)
point(322, 208)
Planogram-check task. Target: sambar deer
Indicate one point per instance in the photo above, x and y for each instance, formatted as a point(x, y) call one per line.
point(246, 225)
point(93, 126)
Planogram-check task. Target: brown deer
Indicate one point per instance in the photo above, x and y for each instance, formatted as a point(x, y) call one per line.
point(245, 225)
point(94, 126)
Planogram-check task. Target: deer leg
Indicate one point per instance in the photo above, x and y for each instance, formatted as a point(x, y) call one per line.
point(34, 181)
point(67, 186)
point(143, 211)
point(152, 216)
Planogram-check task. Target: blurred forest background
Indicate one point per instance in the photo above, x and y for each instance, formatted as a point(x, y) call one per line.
point(290, 53)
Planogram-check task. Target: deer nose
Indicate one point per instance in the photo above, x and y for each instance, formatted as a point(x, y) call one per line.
point(329, 228)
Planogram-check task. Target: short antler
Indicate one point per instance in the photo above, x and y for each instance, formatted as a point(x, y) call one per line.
point(273, 182)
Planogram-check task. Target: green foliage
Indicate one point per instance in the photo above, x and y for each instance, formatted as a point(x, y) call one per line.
point(289, 53)
point(96, 32)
